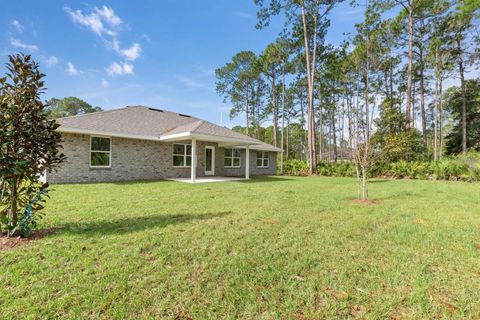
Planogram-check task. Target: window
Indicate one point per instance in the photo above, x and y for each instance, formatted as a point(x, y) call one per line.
point(262, 159)
point(232, 158)
point(182, 155)
point(100, 152)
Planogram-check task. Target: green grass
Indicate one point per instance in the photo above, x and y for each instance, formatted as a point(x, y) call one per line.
point(271, 248)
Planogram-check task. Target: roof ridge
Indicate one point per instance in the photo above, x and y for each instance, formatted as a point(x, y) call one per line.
point(197, 125)
point(124, 108)
point(97, 112)
point(227, 128)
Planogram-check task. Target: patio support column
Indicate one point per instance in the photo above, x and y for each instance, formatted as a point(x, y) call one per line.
point(247, 162)
point(193, 173)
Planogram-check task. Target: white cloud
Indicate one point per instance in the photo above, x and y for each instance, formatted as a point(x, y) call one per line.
point(192, 82)
point(206, 71)
point(106, 24)
point(19, 44)
point(94, 20)
point(71, 70)
point(119, 69)
point(105, 83)
point(109, 15)
point(116, 45)
point(147, 38)
point(131, 53)
point(17, 26)
point(51, 61)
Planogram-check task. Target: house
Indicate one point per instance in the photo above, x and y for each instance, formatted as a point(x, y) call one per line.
point(137, 142)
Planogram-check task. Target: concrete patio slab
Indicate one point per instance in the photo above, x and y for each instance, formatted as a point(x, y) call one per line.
point(207, 179)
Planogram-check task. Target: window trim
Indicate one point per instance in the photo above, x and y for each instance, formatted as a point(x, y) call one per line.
point(212, 172)
point(184, 155)
point(263, 158)
point(232, 157)
point(99, 151)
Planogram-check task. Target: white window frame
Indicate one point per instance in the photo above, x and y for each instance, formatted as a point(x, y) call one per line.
point(212, 172)
point(184, 155)
point(232, 157)
point(263, 153)
point(99, 151)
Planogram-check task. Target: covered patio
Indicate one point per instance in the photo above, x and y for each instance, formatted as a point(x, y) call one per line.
point(203, 131)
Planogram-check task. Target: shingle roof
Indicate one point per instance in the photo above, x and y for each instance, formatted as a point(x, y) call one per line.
point(142, 122)
point(134, 120)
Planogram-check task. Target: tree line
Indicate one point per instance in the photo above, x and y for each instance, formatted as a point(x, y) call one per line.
point(385, 91)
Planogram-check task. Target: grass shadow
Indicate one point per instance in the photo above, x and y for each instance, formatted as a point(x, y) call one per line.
point(119, 182)
point(135, 182)
point(133, 224)
point(380, 180)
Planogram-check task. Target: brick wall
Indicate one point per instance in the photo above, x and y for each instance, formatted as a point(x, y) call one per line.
point(254, 170)
point(133, 159)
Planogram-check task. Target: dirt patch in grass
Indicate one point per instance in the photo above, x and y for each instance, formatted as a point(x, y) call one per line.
point(270, 221)
point(450, 307)
point(420, 222)
point(369, 202)
point(15, 242)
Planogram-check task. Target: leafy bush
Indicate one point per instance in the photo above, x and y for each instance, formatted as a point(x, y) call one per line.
point(295, 167)
point(29, 146)
point(471, 161)
point(407, 146)
point(325, 169)
point(462, 167)
point(344, 169)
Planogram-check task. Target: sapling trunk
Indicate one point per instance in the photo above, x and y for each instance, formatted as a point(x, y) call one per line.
point(464, 97)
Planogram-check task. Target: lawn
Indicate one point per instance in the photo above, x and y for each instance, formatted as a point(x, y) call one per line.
point(270, 248)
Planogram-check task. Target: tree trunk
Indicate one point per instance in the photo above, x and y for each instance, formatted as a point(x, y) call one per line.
point(422, 99)
point(321, 151)
point(283, 122)
point(13, 211)
point(287, 138)
point(410, 66)
point(440, 117)
point(305, 136)
point(341, 124)
point(412, 116)
point(391, 79)
point(275, 112)
point(366, 152)
point(310, 63)
point(252, 121)
point(334, 132)
point(367, 116)
point(330, 141)
point(247, 112)
point(436, 108)
point(464, 97)
point(349, 115)
point(364, 182)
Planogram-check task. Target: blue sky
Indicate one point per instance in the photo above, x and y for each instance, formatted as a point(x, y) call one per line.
point(157, 53)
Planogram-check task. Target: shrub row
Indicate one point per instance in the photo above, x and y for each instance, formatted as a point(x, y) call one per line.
point(462, 167)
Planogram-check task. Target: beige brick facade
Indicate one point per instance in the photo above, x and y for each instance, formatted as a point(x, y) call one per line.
point(133, 159)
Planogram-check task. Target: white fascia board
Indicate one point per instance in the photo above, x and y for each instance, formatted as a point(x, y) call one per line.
point(265, 148)
point(219, 139)
point(260, 148)
point(176, 136)
point(222, 141)
point(64, 129)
